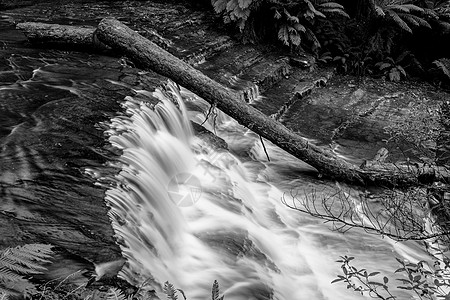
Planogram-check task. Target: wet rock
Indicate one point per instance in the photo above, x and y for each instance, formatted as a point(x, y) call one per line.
point(210, 138)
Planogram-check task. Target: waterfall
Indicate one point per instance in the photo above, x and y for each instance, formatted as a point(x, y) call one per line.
point(233, 228)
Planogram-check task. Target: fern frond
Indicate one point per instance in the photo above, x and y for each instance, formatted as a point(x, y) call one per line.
point(115, 294)
point(9, 275)
point(399, 8)
point(314, 10)
point(3, 295)
point(445, 26)
point(19, 261)
point(413, 8)
point(39, 252)
point(19, 266)
point(215, 292)
point(299, 27)
point(231, 5)
point(283, 35)
point(380, 12)
point(244, 3)
point(295, 39)
point(431, 13)
point(219, 5)
point(312, 37)
point(331, 5)
point(170, 291)
point(336, 12)
point(422, 22)
point(402, 24)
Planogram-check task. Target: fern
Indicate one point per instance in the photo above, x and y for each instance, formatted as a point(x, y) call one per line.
point(116, 294)
point(170, 291)
point(15, 263)
point(402, 14)
point(215, 293)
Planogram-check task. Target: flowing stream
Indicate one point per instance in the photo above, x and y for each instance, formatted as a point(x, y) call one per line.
point(184, 210)
point(223, 219)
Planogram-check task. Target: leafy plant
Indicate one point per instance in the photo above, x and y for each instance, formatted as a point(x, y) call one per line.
point(215, 294)
point(237, 11)
point(116, 294)
point(291, 20)
point(362, 281)
point(391, 69)
point(172, 292)
point(401, 13)
point(18, 262)
point(425, 281)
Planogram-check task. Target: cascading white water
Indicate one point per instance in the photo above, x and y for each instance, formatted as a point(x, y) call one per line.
point(237, 232)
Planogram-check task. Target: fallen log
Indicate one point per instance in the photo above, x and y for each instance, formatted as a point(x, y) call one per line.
point(65, 36)
point(147, 55)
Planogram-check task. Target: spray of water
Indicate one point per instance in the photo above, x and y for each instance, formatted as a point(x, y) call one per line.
point(236, 231)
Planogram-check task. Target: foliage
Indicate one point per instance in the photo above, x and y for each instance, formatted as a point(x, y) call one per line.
point(172, 293)
point(117, 294)
point(425, 281)
point(391, 69)
point(361, 281)
point(18, 262)
point(291, 21)
point(401, 13)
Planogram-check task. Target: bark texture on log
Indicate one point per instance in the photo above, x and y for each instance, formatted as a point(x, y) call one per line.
point(148, 55)
point(61, 35)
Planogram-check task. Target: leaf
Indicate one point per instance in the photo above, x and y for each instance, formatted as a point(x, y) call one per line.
point(405, 287)
point(277, 15)
point(215, 292)
point(299, 27)
point(337, 280)
point(244, 3)
point(380, 12)
point(219, 5)
point(402, 24)
point(170, 291)
point(19, 261)
point(394, 75)
point(331, 5)
point(314, 10)
point(283, 35)
point(115, 294)
point(232, 5)
point(384, 66)
point(295, 39)
point(400, 261)
point(336, 12)
point(413, 8)
point(398, 8)
point(403, 72)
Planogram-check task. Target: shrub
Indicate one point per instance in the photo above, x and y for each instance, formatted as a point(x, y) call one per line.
point(289, 20)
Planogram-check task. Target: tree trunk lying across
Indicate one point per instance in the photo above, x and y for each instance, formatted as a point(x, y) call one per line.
point(74, 37)
point(148, 55)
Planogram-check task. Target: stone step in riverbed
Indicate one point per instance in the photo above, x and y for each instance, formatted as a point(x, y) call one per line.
point(294, 87)
point(248, 69)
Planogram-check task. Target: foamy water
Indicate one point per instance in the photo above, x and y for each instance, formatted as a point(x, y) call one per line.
point(237, 230)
